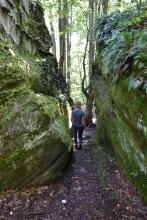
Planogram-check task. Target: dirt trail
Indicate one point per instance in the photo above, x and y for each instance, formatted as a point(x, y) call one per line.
point(77, 196)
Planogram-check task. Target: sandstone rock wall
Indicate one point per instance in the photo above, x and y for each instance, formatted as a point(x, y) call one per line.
point(122, 128)
point(23, 22)
point(34, 138)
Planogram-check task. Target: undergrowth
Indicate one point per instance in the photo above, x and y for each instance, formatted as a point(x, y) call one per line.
point(122, 46)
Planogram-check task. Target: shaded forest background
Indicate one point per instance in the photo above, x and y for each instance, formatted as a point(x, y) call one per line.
point(79, 30)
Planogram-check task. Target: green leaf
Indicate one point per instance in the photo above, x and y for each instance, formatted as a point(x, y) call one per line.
point(136, 84)
point(131, 83)
point(125, 67)
point(136, 62)
point(141, 65)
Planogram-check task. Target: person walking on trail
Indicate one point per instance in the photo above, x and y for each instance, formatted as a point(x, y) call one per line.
point(78, 124)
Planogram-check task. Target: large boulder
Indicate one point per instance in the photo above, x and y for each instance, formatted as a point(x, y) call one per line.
point(35, 143)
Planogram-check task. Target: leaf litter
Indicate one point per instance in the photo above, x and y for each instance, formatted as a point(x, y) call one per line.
point(78, 195)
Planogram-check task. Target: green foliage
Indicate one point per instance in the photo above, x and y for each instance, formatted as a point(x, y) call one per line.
point(134, 20)
point(122, 44)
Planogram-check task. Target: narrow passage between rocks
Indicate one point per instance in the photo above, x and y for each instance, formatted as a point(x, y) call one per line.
point(78, 195)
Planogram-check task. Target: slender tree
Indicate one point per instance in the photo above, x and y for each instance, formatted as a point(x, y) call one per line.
point(52, 34)
point(90, 96)
point(62, 27)
point(69, 25)
point(105, 6)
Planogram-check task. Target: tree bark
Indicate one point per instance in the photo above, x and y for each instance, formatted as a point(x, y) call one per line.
point(62, 28)
point(68, 42)
point(84, 90)
point(89, 107)
point(90, 97)
point(91, 36)
point(99, 7)
point(105, 6)
point(53, 35)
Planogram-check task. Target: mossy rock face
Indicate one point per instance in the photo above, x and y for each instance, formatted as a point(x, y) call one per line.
point(23, 22)
point(35, 142)
point(122, 128)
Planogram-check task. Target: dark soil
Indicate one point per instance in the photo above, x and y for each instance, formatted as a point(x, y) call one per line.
point(79, 195)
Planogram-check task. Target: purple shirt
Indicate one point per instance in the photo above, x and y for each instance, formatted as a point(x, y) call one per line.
point(77, 117)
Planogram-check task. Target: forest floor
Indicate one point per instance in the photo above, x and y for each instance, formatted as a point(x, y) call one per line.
point(93, 188)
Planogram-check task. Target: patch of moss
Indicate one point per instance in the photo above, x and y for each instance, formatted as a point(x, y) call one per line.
point(11, 165)
point(128, 154)
point(60, 128)
point(100, 163)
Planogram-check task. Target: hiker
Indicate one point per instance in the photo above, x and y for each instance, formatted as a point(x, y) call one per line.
point(78, 124)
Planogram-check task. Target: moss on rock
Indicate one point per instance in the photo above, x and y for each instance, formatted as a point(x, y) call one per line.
point(122, 126)
point(35, 142)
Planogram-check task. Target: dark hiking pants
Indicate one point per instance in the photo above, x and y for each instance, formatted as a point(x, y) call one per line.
point(78, 132)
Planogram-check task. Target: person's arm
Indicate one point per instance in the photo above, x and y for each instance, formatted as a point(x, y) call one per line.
point(84, 120)
point(71, 117)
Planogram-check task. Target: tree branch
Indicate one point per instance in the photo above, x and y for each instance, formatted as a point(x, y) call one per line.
point(84, 90)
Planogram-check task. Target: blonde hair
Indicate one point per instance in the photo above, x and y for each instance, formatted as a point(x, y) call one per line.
point(78, 104)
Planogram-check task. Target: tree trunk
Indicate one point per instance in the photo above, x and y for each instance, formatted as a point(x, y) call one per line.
point(62, 28)
point(90, 97)
point(91, 37)
point(99, 7)
point(89, 107)
point(105, 6)
point(84, 90)
point(69, 24)
point(53, 35)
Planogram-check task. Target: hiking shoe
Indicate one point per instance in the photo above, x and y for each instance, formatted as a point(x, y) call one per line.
point(76, 147)
point(80, 147)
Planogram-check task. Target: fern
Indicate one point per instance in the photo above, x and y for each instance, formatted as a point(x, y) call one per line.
point(122, 46)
